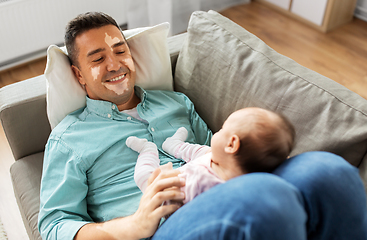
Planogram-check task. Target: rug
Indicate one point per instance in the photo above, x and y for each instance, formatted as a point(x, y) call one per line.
point(2, 232)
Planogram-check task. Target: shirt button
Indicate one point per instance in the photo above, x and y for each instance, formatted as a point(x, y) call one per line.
point(152, 129)
point(109, 115)
point(129, 118)
point(113, 107)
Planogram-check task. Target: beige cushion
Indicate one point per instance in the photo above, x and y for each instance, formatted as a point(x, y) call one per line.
point(222, 67)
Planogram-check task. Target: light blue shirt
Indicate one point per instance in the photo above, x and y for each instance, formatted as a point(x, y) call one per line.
point(88, 169)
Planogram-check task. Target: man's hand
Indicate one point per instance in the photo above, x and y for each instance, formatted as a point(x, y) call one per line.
point(163, 185)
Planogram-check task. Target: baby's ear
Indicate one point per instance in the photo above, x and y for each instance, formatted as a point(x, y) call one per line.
point(233, 145)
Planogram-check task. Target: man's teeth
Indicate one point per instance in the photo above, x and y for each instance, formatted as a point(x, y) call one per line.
point(116, 78)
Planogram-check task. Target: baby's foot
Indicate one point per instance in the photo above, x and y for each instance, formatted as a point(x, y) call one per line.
point(138, 144)
point(171, 144)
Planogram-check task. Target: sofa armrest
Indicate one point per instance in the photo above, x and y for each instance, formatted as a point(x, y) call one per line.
point(23, 116)
point(26, 178)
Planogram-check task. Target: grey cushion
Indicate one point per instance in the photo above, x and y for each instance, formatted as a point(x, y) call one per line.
point(23, 116)
point(222, 67)
point(26, 177)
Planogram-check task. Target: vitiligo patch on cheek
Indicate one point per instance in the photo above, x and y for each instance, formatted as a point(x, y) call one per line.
point(130, 64)
point(95, 72)
point(111, 41)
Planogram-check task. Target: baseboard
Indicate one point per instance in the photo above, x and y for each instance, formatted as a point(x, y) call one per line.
point(361, 13)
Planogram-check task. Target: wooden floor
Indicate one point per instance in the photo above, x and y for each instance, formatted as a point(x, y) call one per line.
point(23, 72)
point(340, 55)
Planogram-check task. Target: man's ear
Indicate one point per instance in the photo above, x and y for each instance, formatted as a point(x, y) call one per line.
point(233, 145)
point(78, 74)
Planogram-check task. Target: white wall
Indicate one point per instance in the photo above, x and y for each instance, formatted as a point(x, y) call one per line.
point(361, 10)
point(28, 27)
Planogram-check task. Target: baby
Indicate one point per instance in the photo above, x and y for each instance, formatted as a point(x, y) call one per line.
point(250, 140)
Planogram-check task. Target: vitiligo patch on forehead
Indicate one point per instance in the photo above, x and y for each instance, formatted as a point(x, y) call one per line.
point(111, 41)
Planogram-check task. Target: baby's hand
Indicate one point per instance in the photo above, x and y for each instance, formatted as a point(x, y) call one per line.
point(166, 167)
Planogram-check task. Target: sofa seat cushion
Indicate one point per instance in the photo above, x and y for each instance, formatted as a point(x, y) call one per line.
point(26, 177)
point(222, 68)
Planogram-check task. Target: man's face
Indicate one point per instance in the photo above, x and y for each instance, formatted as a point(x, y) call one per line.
point(105, 66)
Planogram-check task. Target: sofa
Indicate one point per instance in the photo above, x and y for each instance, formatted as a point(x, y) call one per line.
point(221, 67)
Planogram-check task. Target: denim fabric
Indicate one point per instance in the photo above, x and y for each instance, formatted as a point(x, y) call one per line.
point(333, 192)
point(252, 206)
point(316, 195)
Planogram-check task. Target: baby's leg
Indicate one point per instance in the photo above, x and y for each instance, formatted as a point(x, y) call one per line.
point(147, 162)
point(176, 146)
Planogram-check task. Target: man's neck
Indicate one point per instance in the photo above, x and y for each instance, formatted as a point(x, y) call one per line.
point(132, 103)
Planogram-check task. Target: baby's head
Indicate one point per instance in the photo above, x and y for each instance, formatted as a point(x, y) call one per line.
point(257, 139)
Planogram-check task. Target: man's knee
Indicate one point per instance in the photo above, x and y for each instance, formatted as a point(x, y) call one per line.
point(333, 194)
point(322, 173)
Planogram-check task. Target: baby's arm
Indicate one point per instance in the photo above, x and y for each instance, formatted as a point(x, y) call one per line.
point(176, 146)
point(148, 160)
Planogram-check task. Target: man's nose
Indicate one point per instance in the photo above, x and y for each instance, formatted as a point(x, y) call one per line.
point(113, 64)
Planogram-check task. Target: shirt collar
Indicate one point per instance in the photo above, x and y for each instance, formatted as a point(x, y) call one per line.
point(108, 109)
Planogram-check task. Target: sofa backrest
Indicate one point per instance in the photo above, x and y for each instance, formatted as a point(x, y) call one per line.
point(222, 68)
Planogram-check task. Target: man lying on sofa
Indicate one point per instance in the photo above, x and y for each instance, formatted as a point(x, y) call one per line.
point(88, 190)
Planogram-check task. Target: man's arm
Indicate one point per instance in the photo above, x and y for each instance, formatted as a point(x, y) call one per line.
point(144, 222)
point(63, 207)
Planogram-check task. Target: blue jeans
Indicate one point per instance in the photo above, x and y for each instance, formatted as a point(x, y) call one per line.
point(316, 195)
point(333, 193)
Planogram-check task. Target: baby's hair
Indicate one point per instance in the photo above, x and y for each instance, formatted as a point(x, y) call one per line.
point(267, 144)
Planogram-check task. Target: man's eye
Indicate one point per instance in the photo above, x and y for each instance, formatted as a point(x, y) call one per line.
point(98, 59)
point(120, 52)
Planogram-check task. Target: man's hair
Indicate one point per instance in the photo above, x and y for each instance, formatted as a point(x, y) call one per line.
point(81, 24)
point(267, 145)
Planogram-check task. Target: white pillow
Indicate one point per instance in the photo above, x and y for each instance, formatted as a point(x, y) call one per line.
point(150, 53)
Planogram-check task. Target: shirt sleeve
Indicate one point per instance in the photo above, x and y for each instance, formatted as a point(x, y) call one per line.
point(63, 207)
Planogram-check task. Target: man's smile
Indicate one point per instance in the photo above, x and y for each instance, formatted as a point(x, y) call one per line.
point(117, 79)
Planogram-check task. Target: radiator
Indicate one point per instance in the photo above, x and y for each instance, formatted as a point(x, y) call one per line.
point(28, 27)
